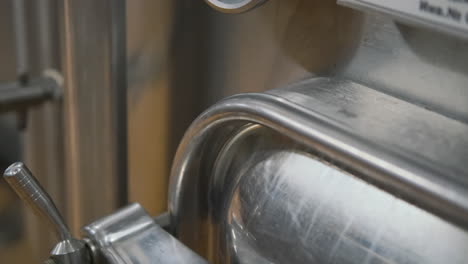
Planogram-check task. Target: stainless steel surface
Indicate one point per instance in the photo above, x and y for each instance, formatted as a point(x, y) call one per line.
point(95, 112)
point(289, 207)
point(150, 31)
point(407, 152)
point(163, 220)
point(206, 55)
point(131, 236)
point(71, 251)
point(15, 96)
point(418, 65)
point(68, 250)
point(286, 41)
point(234, 6)
point(445, 16)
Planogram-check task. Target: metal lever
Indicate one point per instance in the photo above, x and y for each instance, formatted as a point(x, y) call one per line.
point(69, 249)
point(26, 186)
point(128, 236)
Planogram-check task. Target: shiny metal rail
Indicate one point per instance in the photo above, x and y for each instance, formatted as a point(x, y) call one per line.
point(349, 123)
point(16, 96)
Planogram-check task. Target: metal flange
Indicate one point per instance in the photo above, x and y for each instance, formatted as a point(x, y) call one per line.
point(234, 6)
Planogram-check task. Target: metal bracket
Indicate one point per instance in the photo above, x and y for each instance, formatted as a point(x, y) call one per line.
point(131, 236)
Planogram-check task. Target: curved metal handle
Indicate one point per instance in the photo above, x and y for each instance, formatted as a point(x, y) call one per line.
point(20, 178)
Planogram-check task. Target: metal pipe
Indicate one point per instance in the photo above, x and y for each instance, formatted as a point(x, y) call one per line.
point(14, 96)
point(21, 37)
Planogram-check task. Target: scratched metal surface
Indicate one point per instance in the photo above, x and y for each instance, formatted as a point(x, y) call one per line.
point(270, 193)
point(269, 199)
point(292, 208)
point(431, 140)
point(213, 55)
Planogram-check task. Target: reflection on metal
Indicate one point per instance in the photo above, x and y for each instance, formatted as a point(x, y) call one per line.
point(130, 236)
point(234, 6)
point(446, 16)
point(150, 28)
point(243, 193)
point(95, 111)
point(288, 207)
point(279, 43)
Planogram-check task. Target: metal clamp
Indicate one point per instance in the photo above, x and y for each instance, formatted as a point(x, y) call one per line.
point(130, 235)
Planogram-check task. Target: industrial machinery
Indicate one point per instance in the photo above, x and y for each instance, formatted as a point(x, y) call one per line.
point(361, 159)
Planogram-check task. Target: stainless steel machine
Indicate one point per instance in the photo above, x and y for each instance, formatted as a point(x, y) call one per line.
point(348, 143)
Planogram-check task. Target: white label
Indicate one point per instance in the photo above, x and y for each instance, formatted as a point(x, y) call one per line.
point(451, 13)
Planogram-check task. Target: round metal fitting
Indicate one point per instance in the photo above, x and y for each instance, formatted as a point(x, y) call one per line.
point(234, 6)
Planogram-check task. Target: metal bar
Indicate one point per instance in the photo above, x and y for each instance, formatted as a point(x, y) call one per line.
point(14, 96)
point(20, 21)
point(21, 39)
point(22, 181)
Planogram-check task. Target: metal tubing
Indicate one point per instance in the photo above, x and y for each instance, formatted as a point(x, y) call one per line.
point(15, 96)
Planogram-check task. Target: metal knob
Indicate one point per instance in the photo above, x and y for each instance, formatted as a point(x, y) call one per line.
point(69, 249)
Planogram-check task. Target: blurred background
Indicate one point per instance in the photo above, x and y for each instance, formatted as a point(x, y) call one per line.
point(13, 243)
point(136, 73)
point(128, 97)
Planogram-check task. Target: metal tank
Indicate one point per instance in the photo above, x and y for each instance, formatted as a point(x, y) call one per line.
point(347, 145)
